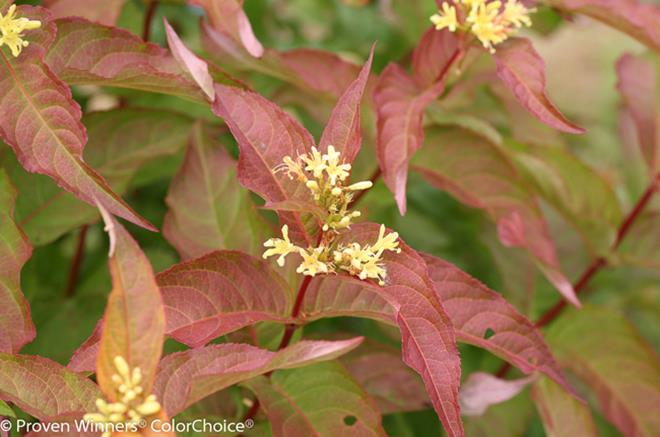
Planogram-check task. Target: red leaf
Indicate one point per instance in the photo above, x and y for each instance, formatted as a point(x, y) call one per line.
point(220, 293)
point(134, 320)
point(400, 106)
point(15, 322)
point(481, 390)
point(638, 88)
point(428, 339)
point(434, 56)
point(102, 11)
point(44, 388)
point(636, 18)
point(88, 53)
point(265, 135)
point(523, 71)
point(474, 309)
point(343, 130)
point(187, 377)
point(190, 62)
point(41, 122)
point(208, 209)
point(477, 173)
point(228, 18)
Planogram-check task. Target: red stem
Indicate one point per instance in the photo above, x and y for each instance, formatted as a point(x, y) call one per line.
point(597, 265)
point(74, 272)
point(148, 18)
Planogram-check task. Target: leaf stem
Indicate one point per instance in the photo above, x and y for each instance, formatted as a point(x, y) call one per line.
point(148, 18)
point(597, 264)
point(76, 263)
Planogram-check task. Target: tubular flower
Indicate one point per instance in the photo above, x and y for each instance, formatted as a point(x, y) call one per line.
point(491, 21)
point(12, 28)
point(324, 175)
point(132, 405)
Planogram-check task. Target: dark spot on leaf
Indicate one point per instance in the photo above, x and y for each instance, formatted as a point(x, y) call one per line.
point(489, 333)
point(350, 420)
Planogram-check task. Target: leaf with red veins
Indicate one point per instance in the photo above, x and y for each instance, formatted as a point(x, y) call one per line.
point(480, 175)
point(194, 65)
point(229, 18)
point(105, 12)
point(15, 322)
point(220, 293)
point(475, 310)
point(434, 56)
point(187, 377)
point(265, 135)
point(522, 70)
point(636, 18)
point(41, 122)
point(207, 208)
point(639, 91)
point(86, 53)
point(134, 319)
point(343, 130)
point(43, 388)
point(400, 106)
point(428, 337)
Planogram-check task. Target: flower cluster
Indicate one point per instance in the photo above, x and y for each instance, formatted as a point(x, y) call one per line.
point(12, 28)
point(132, 405)
point(325, 175)
point(492, 22)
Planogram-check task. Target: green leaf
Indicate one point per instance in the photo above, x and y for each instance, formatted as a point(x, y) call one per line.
point(15, 322)
point(562, 414)
point(5, 410)
point(576, 190)
point(319, 400)
point(121, 142)
point(604, 350)
point(208, 209)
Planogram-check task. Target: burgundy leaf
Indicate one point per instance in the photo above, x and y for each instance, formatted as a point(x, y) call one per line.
point(84, 358)
point(343, 130)
point(187, 377)
point(636, 18)
point(480, 175)
point(208, 209)
point(220, 293)
point(427, 334)
point(481, 390)
point(294, 405)
point(134, 320)
point(15, 322)
point(265, 135)
point(228, 18)
point(400, 106)
point(638, 87)
point(102, 11)
point(44, 388)
point(88, 53)
point(190, 62)
point(522, 70)
point(434, 56)
point(475, 310)
point(41, 122)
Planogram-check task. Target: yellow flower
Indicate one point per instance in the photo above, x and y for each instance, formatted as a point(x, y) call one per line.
point(311, 264)
point(334, 169)
point(386, 242)
point(12, 28)
point(281, 247)
point(315, 162)
point(445, 18)
point(516, 14)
